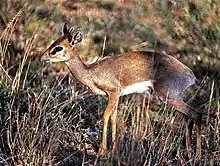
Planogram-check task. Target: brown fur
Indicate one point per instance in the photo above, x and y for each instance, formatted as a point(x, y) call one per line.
point(170, 78)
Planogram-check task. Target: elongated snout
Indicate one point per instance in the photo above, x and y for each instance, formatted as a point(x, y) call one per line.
point(45, 57)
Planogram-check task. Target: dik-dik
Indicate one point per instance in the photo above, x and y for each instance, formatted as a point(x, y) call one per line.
point(132, 72)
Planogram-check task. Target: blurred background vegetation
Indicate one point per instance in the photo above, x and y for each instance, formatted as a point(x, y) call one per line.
point(48, 118)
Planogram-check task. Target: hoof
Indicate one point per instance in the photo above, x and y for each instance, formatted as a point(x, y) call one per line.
point(102, 152)
point(114, 155)
point(198, 158)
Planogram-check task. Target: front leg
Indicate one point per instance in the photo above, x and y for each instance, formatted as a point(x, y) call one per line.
point(96, 90)
point(99, 92)
point(112, 100)
point(114, 129)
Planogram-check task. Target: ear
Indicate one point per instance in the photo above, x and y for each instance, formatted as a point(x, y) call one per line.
point(65, 29)
point(76, 37)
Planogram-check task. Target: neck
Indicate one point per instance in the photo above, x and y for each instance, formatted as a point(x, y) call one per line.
point(77, 68)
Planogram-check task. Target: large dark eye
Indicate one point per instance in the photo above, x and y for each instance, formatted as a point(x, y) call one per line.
point(56, 49)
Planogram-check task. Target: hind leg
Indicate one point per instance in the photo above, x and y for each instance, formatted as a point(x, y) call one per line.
point(181, 106)
point(189, 127)
point(198, 140)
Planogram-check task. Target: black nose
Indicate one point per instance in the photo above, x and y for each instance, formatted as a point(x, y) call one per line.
point(151, 90)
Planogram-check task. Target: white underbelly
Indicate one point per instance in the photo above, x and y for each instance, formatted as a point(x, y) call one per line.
point(139, 87)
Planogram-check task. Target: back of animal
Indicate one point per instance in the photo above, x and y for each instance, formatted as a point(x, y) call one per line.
point(171, 76)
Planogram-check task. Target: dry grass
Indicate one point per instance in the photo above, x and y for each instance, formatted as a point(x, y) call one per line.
point(46, 119)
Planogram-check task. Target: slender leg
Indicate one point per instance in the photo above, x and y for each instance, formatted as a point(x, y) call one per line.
point(189, 128)
point(114, 128)
point(182, 107)
point(112, 99)
point(198, 140)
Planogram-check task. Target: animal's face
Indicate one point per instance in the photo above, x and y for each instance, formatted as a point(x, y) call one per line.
point(59, 51)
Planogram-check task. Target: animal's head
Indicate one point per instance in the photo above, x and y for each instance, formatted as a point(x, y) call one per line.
point(60, 50)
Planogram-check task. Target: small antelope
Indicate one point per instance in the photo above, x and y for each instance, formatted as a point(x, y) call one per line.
point(133, 72)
